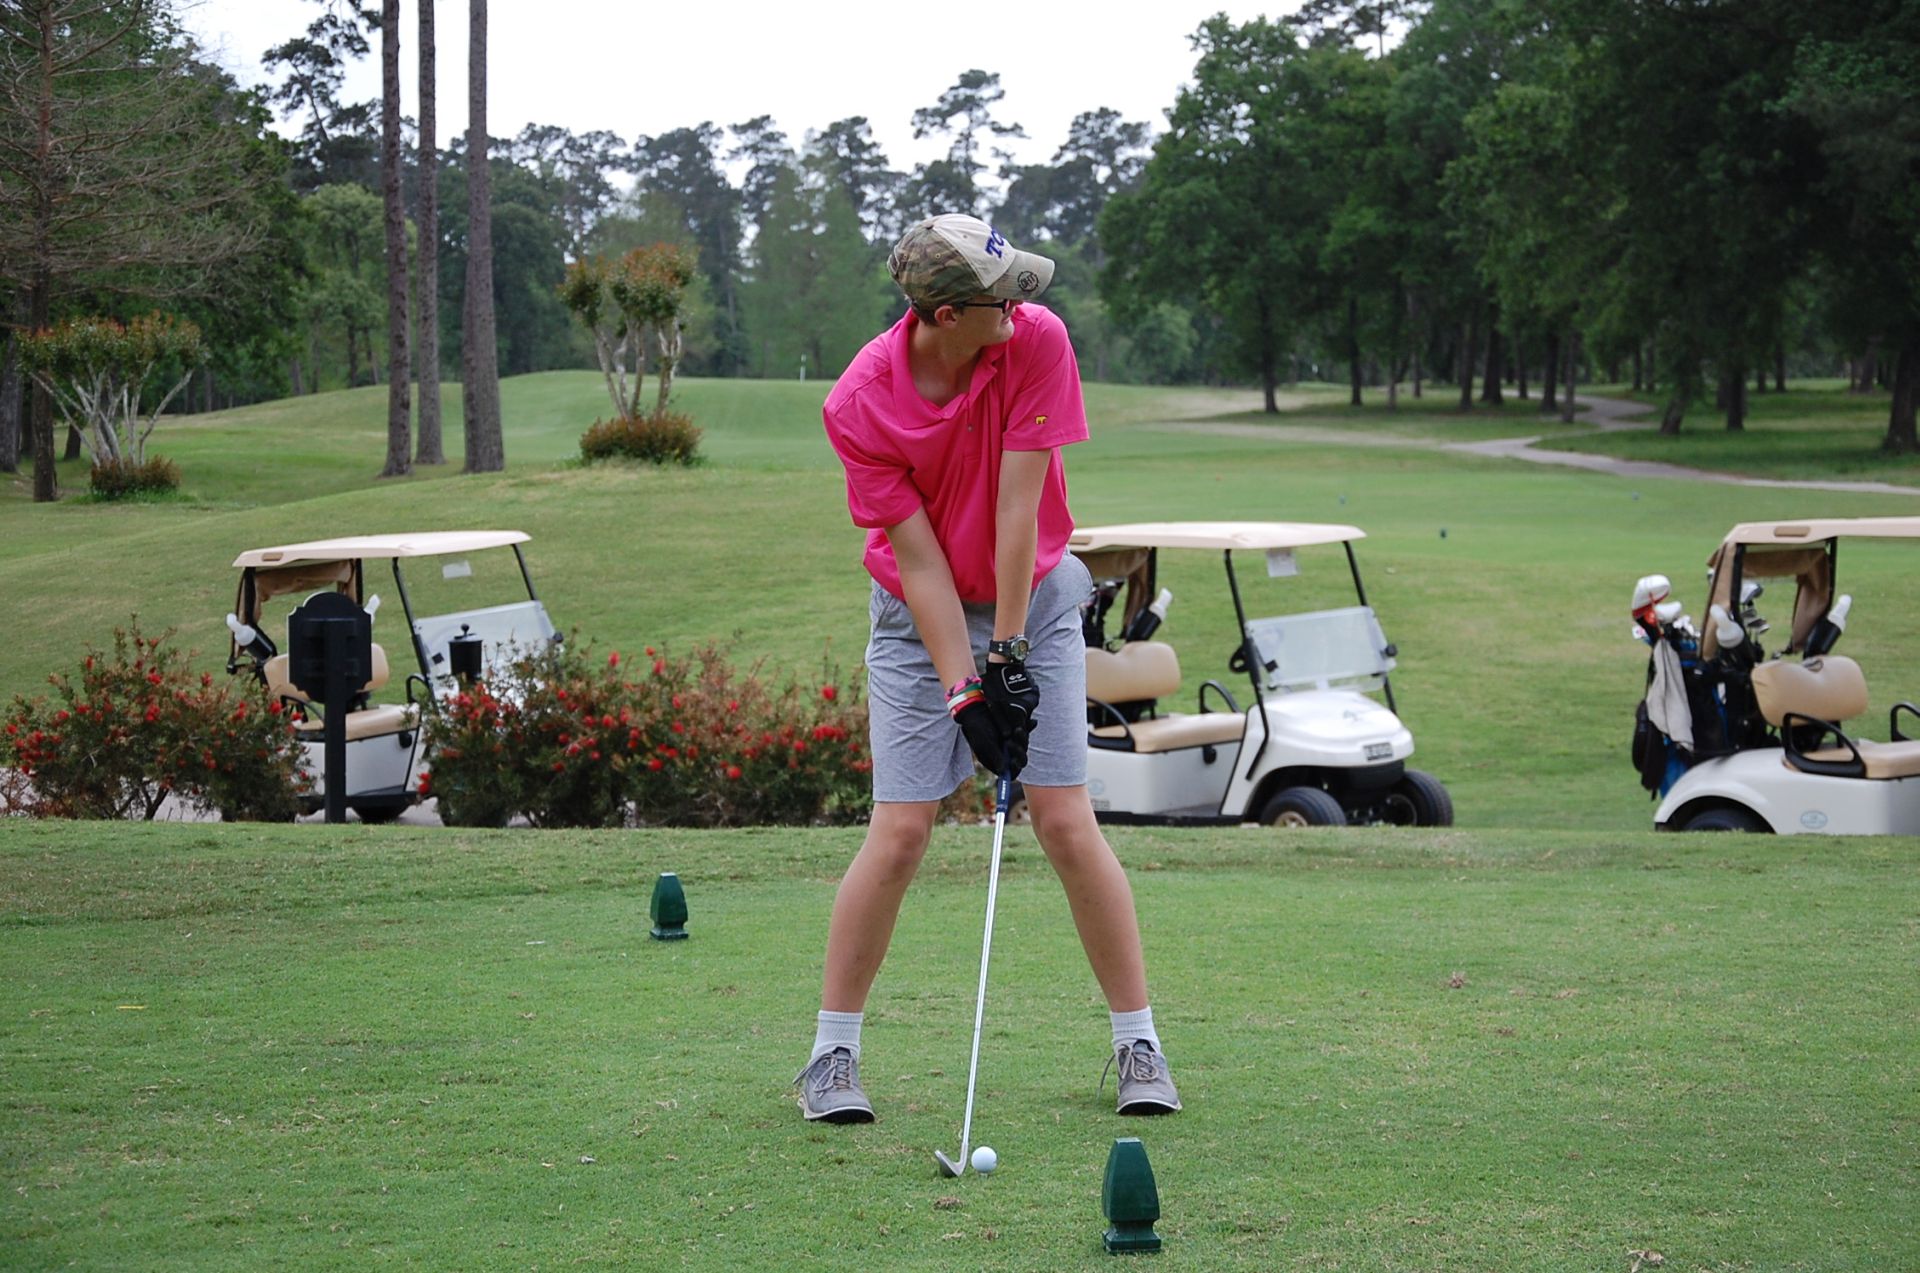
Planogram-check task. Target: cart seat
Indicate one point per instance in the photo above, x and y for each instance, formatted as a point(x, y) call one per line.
point(1171, 733)
point(374, 722)
point(1882, 760)
point(1829, 688)
point(280, 682)
point(1139, 671)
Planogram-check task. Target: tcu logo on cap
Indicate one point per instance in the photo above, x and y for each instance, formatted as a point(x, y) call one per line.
point(996, 241)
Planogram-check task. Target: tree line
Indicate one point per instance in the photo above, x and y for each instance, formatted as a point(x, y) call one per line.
point(1482, 192)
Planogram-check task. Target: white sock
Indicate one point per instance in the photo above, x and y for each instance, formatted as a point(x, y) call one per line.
point(839, 1030)
point(1129, 1026)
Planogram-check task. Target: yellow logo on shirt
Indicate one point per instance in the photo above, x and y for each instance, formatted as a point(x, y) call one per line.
point(1039, 420)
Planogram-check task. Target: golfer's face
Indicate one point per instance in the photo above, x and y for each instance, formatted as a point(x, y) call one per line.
point(988, 319)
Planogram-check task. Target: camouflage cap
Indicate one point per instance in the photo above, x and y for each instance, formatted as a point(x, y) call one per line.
point(951, 257)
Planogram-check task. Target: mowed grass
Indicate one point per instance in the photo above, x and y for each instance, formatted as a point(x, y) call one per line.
point(1504, 585)
point(346, 1048)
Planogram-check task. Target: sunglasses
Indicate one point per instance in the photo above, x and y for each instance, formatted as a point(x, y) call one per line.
point(1005, 307)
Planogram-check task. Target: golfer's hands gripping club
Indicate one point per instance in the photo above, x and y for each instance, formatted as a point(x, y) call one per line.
point(967, 704)
point(1015, 701)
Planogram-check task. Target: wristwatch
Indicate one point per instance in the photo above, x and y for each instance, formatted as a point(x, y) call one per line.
point(1013, 649)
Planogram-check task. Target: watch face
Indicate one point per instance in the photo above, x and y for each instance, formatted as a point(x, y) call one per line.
point(1019, 651)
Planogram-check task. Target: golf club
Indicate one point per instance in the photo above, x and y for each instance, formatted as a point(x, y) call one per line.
point(1002, 797)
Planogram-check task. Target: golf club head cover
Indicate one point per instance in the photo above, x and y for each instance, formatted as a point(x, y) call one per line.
point(968, 707)
point(1015, 701)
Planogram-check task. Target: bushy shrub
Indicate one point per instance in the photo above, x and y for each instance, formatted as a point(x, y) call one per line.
point(571, 739)
point(665, 437)
point(138, 724)
point(122, 479)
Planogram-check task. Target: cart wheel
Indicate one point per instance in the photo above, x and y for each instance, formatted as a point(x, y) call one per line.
point(1425, 798)
point(1303, 807)
point(1726, 818)
point(376, 814)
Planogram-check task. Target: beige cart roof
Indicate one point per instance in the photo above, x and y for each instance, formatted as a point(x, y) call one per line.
point(1252, 535)
point(433, 543)
point(1816, 529)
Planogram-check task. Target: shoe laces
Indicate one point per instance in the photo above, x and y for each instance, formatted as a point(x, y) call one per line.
point(836, 1075)
point(1138, 1062)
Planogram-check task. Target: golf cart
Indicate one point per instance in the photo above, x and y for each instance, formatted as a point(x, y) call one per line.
point(1311, 748)
point(449, 624)
point(1732, 740)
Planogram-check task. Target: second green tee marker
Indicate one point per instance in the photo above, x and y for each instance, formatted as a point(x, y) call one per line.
point(669, 908)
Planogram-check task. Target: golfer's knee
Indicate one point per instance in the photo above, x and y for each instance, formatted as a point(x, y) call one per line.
point(897, 840)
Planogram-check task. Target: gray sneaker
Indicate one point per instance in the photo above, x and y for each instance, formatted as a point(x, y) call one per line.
point(830, 1089)
point(1145, 1085)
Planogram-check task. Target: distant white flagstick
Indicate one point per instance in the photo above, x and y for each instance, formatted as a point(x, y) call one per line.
point(1002, 797)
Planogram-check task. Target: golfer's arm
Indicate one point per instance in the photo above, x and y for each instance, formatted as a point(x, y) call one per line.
point(927, 581)
point(1016, 533)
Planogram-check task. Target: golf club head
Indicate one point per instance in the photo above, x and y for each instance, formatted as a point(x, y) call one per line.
point(948, 1167)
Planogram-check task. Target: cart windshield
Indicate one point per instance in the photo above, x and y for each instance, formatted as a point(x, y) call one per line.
point(1322, 649)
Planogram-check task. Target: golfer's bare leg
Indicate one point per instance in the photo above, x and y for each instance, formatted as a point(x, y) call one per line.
point(868, 901)
point(1097, 891)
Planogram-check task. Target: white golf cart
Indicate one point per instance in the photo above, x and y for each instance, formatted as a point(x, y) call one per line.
point(1311, 749)
point(476, 601)
point(1786, 764)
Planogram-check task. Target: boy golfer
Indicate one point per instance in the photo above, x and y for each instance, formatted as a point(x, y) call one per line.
point(950, 425)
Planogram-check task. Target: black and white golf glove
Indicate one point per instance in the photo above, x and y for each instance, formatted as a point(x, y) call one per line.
point(1015, 701)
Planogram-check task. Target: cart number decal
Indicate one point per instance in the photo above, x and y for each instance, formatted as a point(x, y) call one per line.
point(1379, 751)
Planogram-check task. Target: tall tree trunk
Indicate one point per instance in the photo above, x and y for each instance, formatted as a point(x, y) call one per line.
point(1550, 374)
point(1653, 367)
point(479, 352)
point(73, 442)
point(1570, 350)
point(399, 383)
point(1353, 349)
point(1900, 438)
point(1491, 392)
point(1779, 369)
point(1637, 372)
point(1735, 385)
point(1760, 377)
point(10, 399)
point(294, 375)
point(428, 446)
point(46, 480)
point(1269, 356)
point(1469, 352)
point(1416, 331)
point(1519, 369)
point(1869, 367)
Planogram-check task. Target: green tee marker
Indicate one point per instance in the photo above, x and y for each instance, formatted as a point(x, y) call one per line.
point(1130, 1198)
point(669, 908)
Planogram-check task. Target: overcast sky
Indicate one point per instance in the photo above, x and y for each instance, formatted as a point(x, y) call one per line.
point(636, 68)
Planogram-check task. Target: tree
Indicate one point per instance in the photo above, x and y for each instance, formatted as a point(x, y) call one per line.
point(845, 154)
point(573, 170)
point(336, 142)
point(1062, 199)
point(952, 184)
point(479, 352)
point(399, 406)
point(815, 290)
point(344, 294)
point(682, 168)
point(97, 369)
point(429, 447)
point(120, 166)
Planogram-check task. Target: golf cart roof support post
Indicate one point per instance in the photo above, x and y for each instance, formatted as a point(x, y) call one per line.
point(1353, 565)
point(1251, 654)
point(524, 576)
point(413, 630)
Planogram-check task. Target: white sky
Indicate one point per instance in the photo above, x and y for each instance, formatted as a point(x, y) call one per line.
point(638, 68)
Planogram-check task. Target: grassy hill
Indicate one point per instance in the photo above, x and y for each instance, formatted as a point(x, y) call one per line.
point(1505, 585)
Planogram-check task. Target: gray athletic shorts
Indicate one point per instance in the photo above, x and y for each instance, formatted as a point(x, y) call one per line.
point(918, 752)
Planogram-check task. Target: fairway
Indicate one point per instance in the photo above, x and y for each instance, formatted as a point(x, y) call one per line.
point(302, 1048)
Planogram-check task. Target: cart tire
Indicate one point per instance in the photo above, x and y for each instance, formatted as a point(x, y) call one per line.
point(1432, 806)
point(1726, 818)
point(377, 814)
point(1303, 807)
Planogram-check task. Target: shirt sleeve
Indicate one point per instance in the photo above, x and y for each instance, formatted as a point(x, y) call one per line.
point(880, 490)
point(1045, 410)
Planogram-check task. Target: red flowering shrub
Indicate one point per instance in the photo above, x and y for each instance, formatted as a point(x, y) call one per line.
point(571, 739)
point(138, 724)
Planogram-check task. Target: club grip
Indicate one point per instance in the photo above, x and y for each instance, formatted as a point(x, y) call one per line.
point(1002, 793)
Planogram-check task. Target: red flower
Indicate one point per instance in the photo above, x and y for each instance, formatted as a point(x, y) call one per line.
point(733, 771)
point(153, 678)
point(829, 693)
point(678, 728)
point(606, 722)
point(426, 783)
point(60, 717)
point(655, 764)
point(650, 655)
point(659, 666)
point(593, 755)
point(613, 660)
point(676, 701)
point(733, 704)
point(559, 766)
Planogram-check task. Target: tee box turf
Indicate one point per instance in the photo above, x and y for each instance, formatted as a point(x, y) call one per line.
point(1130, 1198)
point(669, 908)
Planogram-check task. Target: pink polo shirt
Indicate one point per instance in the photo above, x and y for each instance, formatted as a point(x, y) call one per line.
point(902, 453)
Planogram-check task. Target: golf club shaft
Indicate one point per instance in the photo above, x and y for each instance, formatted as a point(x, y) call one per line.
point(1003, 790)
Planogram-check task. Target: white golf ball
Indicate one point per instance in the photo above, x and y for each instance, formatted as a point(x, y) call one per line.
point(984, 1159)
